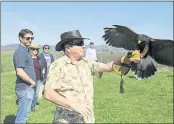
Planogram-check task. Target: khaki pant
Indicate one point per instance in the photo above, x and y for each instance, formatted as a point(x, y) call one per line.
point(41, 91)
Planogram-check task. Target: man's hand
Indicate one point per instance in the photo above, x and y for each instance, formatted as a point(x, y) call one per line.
point(125, 60)
point(44, 81)
point(32, 84)
point(83, 109)
point(21, 73)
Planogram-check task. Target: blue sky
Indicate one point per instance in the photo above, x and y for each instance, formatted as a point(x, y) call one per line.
point(49, 19)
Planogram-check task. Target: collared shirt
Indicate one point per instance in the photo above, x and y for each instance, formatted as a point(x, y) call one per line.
point(91, 54)
point(73, 80)
point(23, 59)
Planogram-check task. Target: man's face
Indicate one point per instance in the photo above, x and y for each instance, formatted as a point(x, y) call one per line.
point(77, 49)
point(46, 49)
point(27, 39)
point(92, 45)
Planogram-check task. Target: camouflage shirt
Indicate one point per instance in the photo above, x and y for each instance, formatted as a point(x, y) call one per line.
point(73, 81)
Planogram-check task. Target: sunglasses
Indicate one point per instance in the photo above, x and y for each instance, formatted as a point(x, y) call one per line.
point(34, 49)
point(76, 43)
point(28, 38)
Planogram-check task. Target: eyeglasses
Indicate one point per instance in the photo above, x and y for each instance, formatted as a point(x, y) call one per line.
point(28, 38)
point(76, 43)
point(46, 48)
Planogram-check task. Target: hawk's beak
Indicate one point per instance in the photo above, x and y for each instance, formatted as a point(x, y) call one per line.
point(139, 41)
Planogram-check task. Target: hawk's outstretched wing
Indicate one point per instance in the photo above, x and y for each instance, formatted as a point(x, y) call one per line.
point(162, 51)
point(122, 37)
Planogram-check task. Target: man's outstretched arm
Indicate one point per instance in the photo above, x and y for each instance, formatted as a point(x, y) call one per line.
point(108, 67)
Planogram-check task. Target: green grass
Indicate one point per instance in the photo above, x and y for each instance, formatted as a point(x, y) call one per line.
point(7, 61)
point(147, 101)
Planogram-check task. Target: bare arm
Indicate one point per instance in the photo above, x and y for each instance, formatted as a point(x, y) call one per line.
point(21, 73)
point(53, 82)
point(51, 95)
point(108, 66)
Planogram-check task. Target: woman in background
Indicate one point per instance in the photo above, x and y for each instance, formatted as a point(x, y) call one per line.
point(39, 71)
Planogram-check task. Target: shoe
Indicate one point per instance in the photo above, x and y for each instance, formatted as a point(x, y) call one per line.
point(37, 103)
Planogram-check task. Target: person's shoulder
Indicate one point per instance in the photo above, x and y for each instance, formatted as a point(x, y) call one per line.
point(59, 62)
point(87, 60)
point(19, 50)
point(62, 58)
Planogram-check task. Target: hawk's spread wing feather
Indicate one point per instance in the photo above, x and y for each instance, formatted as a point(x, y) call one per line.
point(121, 36)
point(145, 69)
point(162, 51)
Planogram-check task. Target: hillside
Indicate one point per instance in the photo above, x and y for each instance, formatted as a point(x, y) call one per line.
point(98, 48)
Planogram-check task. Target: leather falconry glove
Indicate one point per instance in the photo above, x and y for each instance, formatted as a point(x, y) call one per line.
point(126, 62)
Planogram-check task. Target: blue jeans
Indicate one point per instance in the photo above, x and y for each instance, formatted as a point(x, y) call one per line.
point(25, 97)
point(37, 88)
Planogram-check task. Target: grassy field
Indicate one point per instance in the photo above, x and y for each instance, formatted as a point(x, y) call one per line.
point(147, 101)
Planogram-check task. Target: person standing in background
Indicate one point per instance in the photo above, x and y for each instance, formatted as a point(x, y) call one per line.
point(25, 74)
point(40, 73)
point(47, 58)
point(91, 54)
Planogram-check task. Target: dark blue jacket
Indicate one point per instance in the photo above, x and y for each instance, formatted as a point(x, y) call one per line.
point(44, 62)
point(43, 70)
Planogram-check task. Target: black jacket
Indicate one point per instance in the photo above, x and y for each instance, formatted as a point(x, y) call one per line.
point(43, 70)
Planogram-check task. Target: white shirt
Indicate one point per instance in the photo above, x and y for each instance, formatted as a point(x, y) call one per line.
point(91, 54)
point(48, 60)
